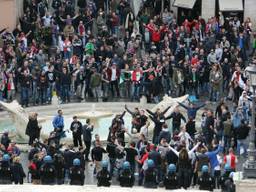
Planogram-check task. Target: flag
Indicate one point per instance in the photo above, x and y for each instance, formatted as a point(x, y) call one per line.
point(122, 78)
point(135, 6)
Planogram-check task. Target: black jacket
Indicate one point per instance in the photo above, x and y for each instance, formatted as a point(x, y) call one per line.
point(76, 128)
point(76, 175)
point(87, 132)
point(17, 172)
point(33, 129)
point(176, 118)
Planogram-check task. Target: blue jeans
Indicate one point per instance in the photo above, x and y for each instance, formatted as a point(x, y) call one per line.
point(49, 92)
point(135, 91)
point(112, 163)
point(214, 95)
point(65, 93)
point(43, 95)
point(67, 55)
point(54, 39)
point(115, 30)
point(24, 96)
point(166, 85)
point(241, 143)
point(1, 95)
point(205, 88)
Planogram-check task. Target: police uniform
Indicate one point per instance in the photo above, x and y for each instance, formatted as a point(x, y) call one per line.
point(76, 175)
point(223, 179)
point(47, 174)
point(5, 173)
point(150, 178)
point(104, 178)
point(206, 182)
point(225, 176)
point(171, 181)
point(126, 178)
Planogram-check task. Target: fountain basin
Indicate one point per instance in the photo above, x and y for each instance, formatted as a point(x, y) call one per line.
point(102, 127)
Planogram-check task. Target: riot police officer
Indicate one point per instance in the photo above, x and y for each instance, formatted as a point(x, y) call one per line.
point(126, 177)
point(229, 185)
point(47, 171)
point(5, 170)
point(171, 179)
point(225, 176)
point(103, 176)
point(76, 173)
point(205, 181)
point(150, 180)
point(59, 165)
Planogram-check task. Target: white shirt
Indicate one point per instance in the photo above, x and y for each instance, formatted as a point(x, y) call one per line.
point(184, 136)
point(47, 21)
point(113, 74)
point(144, 131)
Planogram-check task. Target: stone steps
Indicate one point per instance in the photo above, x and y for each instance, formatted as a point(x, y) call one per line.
point(68, 109)
point(87, 188)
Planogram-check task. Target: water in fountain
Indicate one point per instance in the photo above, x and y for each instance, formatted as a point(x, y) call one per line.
point(102, 129)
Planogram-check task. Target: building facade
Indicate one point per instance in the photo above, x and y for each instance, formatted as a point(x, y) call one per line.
point(10, 11)
point(210, 8)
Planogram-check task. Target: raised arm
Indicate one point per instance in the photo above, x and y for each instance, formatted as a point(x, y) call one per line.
point(182, 105)
point(174, 151)
point(194, 148)
point(183, 118)
point(150, 112)
point(200, 106)
point(128, 110)
point(166, 110)
point(122, 115)
point(169, 117)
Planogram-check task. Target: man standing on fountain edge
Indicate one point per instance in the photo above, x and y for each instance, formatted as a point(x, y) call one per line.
point(87, 136)
point(76, 128)
point(58, 121)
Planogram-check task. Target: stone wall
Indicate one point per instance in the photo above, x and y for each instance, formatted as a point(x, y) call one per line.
point(250, 11)
point(248, 185)
point(208, 9)
point(10, 11)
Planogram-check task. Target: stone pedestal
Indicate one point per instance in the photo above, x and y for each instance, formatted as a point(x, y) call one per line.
point(208, 9)
point(250, 11)
point(248, 185)
point(174, 9)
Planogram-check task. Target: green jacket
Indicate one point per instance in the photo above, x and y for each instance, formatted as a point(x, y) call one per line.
point(95, 80)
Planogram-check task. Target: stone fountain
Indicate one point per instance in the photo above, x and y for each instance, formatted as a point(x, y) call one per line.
point(94, 115)
point(20, 115)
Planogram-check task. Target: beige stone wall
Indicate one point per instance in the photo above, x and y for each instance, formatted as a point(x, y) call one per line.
point(10, 10)
point(208, 9)
point(250, 11)
point(175, 9)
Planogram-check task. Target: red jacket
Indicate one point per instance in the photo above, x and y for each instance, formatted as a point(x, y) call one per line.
point(156, 35)
point(109, 72)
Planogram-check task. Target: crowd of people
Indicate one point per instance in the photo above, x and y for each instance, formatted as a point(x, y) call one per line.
point(101, 51)
point(171, 158)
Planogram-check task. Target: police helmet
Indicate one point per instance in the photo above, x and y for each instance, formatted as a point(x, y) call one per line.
point(205, 169)
point(172, 168)
point(104, 164)
point(6, 157)
point(227, 167)
point(47, 159)
point(126, 165)
point(150, 163)
point(76, 162)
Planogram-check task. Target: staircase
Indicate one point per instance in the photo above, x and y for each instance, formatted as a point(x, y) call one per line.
point(87, 188)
